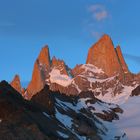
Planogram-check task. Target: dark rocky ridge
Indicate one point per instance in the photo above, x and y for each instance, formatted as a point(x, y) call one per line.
point(38, 119)
point(136, 91)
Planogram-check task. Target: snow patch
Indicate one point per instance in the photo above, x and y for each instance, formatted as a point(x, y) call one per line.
point(92, 68)
point(44, 113)
point(62, 134)
point(120, 98)
point(129, 121)
point(61, 79)
point(76, 86)
point(64, 119)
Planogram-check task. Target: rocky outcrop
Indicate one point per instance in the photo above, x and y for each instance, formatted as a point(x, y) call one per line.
point(121, 60)
point(40, 71)
point(136, 91)
point(16, 84)
point(60, 65)
point(103, 55)
point(37, 83)
point(44, 57)
point(17, 120)
point(50, 116)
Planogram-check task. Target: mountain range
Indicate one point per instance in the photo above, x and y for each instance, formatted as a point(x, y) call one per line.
point(87, 102)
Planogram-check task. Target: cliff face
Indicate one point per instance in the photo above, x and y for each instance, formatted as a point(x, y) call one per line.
point(121, 60)
point(60, 65)
point(41, 68)
point(37, 82)
point(103, 55)
point(44, 57)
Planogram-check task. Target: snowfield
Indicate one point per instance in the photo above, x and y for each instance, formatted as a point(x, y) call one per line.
point(92, 68)
point(119, 98)
point(128, 124)
point(130, 120)
point(61, 79)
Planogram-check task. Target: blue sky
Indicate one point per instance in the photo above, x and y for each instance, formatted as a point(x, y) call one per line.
point(69, 27)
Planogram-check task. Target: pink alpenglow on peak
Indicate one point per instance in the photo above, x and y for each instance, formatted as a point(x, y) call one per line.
point(121, 59)
point(41, 66)
point(44, 56)
point(103, 55)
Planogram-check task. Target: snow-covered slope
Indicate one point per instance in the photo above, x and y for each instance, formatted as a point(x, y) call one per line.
point(129, 121)
point(90, 78)
point(120, 98)
point(79, 117)
point(61, 79)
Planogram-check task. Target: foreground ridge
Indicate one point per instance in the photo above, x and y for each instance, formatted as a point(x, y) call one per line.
point(52, 115)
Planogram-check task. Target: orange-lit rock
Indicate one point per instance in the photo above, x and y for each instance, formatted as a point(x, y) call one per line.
point(41, 68)
point(37, 82)
point(60, 65)
point(44, 56)
point(16, 84)
point(121, 60)
point(103, 55)
point(103, 62)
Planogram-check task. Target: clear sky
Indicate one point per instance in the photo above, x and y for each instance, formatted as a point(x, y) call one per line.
point(69, 27)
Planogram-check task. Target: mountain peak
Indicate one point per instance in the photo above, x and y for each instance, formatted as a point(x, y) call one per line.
point(103, 55)
point(17, 77)
point(44, 56)
point(105, 37)
point(41, 67)
point(16, 84)
point(54, 59)
point(37, 82)
point(121, 59)
point(60, 65)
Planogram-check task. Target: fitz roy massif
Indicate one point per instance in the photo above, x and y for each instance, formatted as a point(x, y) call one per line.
point(98, 100)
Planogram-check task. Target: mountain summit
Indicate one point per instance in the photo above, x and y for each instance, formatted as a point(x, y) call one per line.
point(105, 56)
point(41, 66)
point(44, 56)
point(16, 84)
point(121, 60)
point(105, 73)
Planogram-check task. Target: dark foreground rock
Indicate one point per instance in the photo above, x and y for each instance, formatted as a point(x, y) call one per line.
point(52, 116)
point(136, 91)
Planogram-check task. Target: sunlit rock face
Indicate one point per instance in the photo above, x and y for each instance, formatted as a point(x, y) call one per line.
point(103, 55)
point(44, 57)
point(60, 65)
point(121, 60)
point(37, 82)
point(16, 84)
point(41, 68)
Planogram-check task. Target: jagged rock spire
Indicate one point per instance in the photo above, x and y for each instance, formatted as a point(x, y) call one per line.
point(16, 84)
point(37, 82)
point(41, 66)
point(121, 60)
point(60, 65)
point(104, 56)
point(44, 56)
